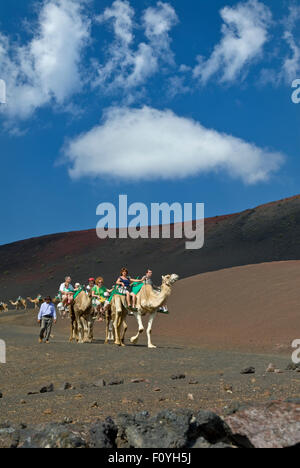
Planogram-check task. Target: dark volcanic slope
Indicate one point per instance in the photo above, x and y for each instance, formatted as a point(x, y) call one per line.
point(268, 233)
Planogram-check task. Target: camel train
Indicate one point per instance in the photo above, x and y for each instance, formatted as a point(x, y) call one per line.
point(149, 302)
point(83, 313)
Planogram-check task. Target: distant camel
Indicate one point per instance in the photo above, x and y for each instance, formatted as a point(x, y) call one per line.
point(19, 303)
point(3, 307)
point(37, 302)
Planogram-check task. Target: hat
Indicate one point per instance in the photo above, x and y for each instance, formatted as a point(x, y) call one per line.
point(91, 279)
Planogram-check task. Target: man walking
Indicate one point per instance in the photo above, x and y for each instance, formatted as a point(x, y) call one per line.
point(46, 317)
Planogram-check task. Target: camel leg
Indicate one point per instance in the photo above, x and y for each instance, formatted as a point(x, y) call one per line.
point(107, 326)
point(80, 331)
point(85, 330)
point(116, 327)
point(135, 339)
point(149, 330)
point(124, 332)
point(111, 331)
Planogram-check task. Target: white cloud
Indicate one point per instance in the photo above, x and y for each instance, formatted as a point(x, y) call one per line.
point(127, 66)
point(148, 144)
point(244, 34)
point(291, 65)
point(48, 67)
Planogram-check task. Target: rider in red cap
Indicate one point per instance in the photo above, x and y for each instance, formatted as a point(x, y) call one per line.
point(90, 285)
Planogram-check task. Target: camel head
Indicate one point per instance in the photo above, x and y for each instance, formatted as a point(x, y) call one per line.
point(170, 279)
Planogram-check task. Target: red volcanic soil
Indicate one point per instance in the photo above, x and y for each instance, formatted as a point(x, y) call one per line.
point(251, 308)
point(267, 233)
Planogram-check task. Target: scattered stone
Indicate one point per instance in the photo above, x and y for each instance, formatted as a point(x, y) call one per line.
point(48, 412)
point(278, 371)
point(116, 382)
point(67, 420)
point(193, 382)
point(66, 386)
point(178, 377)
point(100, 383)
point(1, 395)
point(48, 389)
point(156, 389)
point(228, 388)
point(291, 367)
point(270, 369)
point(140, 401)
point(23, 402)
point(78, 397)
point(191, 397)
point(136, 381)
point(95, 405)
point(248, 370)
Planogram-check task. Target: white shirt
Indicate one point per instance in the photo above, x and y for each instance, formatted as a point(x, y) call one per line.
point(63, 288)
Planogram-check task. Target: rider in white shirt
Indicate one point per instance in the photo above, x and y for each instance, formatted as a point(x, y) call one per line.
point(67, 291)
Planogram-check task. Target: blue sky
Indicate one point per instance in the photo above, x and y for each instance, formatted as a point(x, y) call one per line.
point(162, 101)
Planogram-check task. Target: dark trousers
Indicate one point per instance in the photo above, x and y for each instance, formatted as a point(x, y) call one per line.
point(46, 327)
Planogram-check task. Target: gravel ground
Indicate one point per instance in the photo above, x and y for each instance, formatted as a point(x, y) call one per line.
point(212, 380)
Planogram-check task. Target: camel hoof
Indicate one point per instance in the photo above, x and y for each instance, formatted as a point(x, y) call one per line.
point(152, 347)
point(133, 340)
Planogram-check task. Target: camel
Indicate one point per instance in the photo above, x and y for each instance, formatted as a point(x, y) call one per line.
point(3, 307)
point(82, 318)
point(117, 314)
point(19, 303)
point(37, 302)
point(148, 302)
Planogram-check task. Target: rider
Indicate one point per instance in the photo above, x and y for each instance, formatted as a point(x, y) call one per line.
point(67, 291)
point(125, 281)
point(90, 285)
point(100, 295)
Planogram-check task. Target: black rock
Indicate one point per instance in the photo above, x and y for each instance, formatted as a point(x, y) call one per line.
point(52, 436)
point(116, 382)
point(248, 370)
point(103, 435)
point(210, 426)
point(166, 430)
point(48, 389)
point(178, 377)
point(1, 395)
point(66, 386)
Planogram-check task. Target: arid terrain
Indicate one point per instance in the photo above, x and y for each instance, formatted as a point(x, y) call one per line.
point(219, 324)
